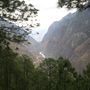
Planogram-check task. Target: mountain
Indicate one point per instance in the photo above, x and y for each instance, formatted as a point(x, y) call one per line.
point(70, 38)
point(30, 48)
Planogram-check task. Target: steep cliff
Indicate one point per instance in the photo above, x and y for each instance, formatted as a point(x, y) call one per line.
point(70, 38)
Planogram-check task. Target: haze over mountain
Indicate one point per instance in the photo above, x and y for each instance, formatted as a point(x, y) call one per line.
point(31, 49)
point(70, 38)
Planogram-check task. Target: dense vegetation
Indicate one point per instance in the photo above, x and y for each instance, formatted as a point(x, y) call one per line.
point(19, 73)
point(14, 17)
point(17, 10)
point(74, 3)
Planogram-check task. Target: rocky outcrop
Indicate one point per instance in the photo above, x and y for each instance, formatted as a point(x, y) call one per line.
point(70, 38)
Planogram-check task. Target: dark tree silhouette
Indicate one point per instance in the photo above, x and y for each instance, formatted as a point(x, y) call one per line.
point(9, 8)
point(80, 4)
point(17, 11)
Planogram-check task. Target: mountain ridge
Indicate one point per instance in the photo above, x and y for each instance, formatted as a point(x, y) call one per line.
point(69, 38)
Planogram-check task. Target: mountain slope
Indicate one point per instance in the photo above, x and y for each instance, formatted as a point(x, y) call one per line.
point(31, 47)
point(32, 50)
point(70, 38)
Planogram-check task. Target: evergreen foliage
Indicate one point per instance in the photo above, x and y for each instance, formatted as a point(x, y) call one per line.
point(8, 9)
point(19, 73)
point(14, 12)
point(80, 4)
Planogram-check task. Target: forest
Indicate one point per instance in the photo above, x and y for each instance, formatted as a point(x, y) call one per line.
point(19, 73)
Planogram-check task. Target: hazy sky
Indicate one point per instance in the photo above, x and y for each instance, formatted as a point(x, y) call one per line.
point(48, 13)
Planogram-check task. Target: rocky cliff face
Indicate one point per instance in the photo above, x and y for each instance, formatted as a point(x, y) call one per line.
point(70, 38)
